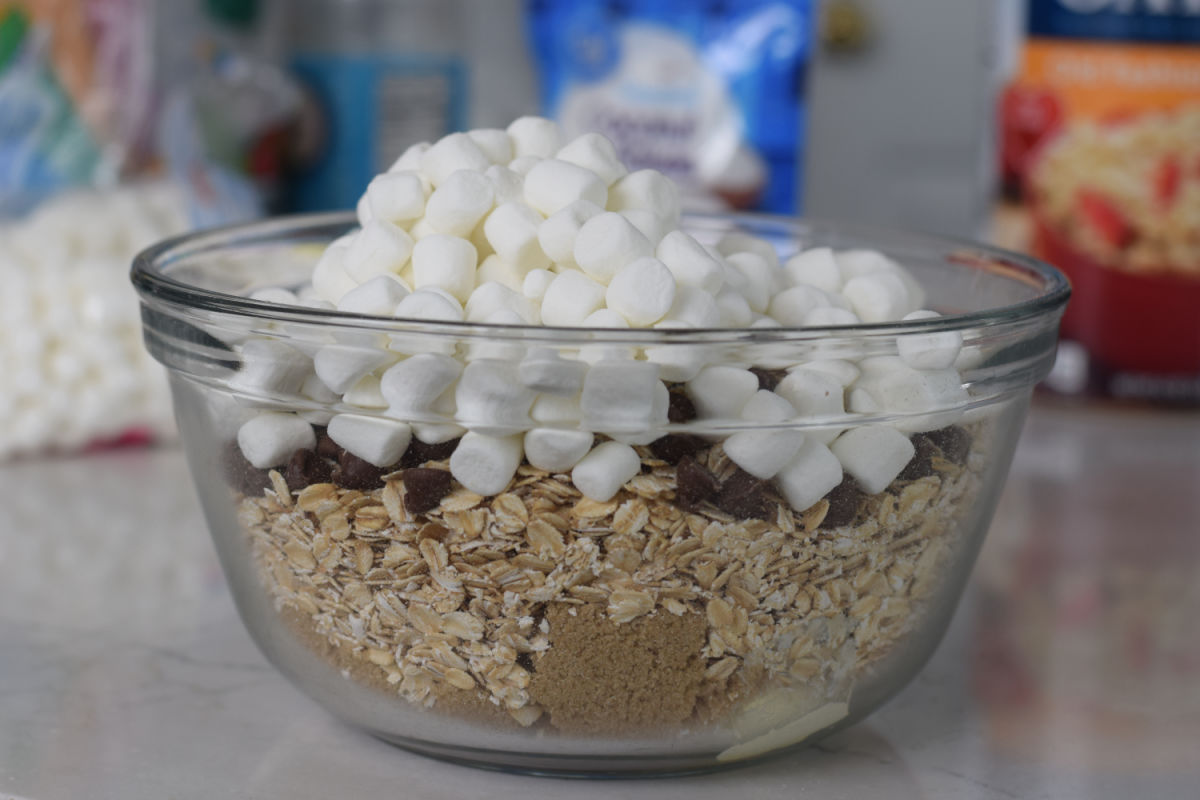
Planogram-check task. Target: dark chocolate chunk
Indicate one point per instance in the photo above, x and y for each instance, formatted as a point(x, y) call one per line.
point(921, 464)
point(418, 452)
point(694, 485)
point(424, 488)
point(768, 378)
point(328, 448)
point(675, 446)
point(953, 441)
point(844, 502)
point(744, 496)
point(679, 407)
point(354, 473)
point(306, 468)
point(241, 474)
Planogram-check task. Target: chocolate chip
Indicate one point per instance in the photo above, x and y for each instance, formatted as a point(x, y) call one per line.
point(744, 496)
point(418, 452)
point(328, 448)
point(675, 446)
point(241, 474)
point(354, 473)
point(953, 441)
point(679, 407)
point(306, 468)
point(768, 378)
point(424, 488)
point(844, 501)
point(921, 464)
point(694, 485)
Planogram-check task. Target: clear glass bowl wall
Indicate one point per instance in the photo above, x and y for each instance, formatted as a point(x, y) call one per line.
point(674, 628)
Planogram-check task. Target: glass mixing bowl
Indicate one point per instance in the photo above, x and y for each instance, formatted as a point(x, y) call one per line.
point(699, 617)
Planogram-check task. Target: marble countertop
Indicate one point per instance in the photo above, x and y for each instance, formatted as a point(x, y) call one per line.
point(1071, 670)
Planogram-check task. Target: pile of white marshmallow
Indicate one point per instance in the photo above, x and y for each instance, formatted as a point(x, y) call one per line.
point(519, 227)
point(71, 348)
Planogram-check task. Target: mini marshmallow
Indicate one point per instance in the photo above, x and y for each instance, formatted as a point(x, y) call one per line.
point(378, 296)
point(437, 432)
point(410, 159)
point(497, 346)
point(507, 185)
point(512, 231)
point(535, 136)
point(792, 306)
point(570, 298)
point(619, 397)
point(379, 248)
point(605, 318)
point(677, 362)
point(341, 367)
point(606, 243)
point(522, 165)
point(829, 316)
point(734, 310)
point(652, 226)
point(558, 233)
point(695, 307)
point(329, 279)
point(929, 350)
point(814, 394)
point(421, 228)
point(270, 367)
point(451, 153)
point(556, 450)
point(445, 262)
point(491, 399)
point(722, 392)
point(269, 439)
point(813, 473)
point(377, 441)
point(414, 385)
point(595, 152)
point(642, 292)
point(690, 263)
point(601, 473)
point(496, 270)
point(816, 267)
point(760, 276)
point(735, 242)
point(396, 197)
point(543, 370)
point(315, 389)
point(366, 393)
point(555, 409)
point(844, 372)
point(763, 453)
point(648, 189)
point(486, 464)
point(552, 185)
point(860, 401)
point(907, 390)
point(459, 203)
point(492, 297)
point(854, 263)
point(536, 282)
point(873, 455)
point(430, 303)
point(877, 297)
point(494, 143)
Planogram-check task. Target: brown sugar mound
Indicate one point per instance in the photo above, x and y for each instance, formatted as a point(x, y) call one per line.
point(603, 677)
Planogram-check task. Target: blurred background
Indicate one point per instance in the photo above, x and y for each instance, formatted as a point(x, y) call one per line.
point(1066, 128)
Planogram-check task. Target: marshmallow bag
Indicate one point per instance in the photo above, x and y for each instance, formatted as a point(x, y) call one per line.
point(690, 493)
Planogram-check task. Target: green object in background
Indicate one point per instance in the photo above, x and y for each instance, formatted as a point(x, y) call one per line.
point(235, 13)
point(13, 27)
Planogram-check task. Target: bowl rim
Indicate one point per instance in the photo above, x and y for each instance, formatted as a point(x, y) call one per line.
point(151, 281)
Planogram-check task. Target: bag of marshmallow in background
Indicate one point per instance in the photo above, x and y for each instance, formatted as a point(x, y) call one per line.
point(85, 184)
point(712, 94)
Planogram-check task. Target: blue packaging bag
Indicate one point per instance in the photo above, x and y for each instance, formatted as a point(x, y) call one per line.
point(710, 93)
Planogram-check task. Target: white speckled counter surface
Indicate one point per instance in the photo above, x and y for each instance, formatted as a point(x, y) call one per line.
point(1072, 669)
